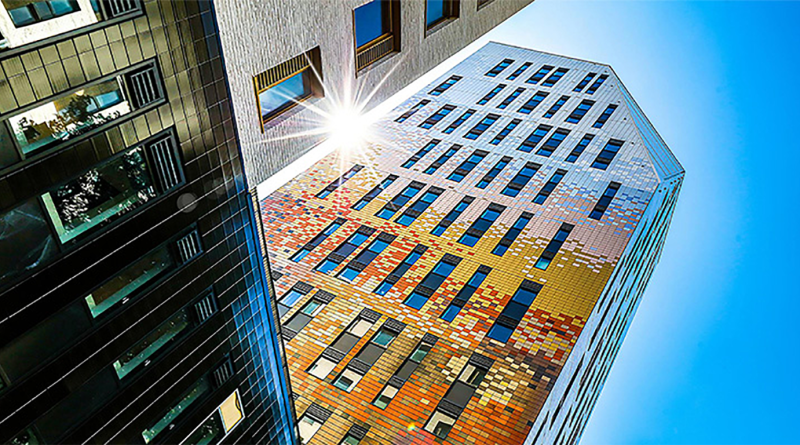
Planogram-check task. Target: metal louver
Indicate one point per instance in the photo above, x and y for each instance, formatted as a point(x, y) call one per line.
point(205, 308)
point(188, 246)
point(144, 86)
point(168, 170)
point(116, 8)
point(223, 372)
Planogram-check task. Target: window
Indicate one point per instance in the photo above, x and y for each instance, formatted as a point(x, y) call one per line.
point(345, 249)
point(603, 160)
point(482, 126)
point(532, 102)
point(552, 143)
point(505, 131)
point(556, 106)
point(602, 204)
point(293, 295)
point(539, 75)
point(576, 152)
point(597, 84)
point(354, 435)
point(421, 153)
point(530, 142)
point(604, 117)
point(507, 101)
point(436, 117)
point(519, 71)
point(465, 293)
point(456, 123)
point(514, 311)
point(369, 354)
point(481, 225)
point(376, 26)
point(317, 240)
point(311, 421)
point(452, 216)
point(458, 396)
point(167, 420)
point(466, 167)
point(439, 11)
point(581, 110)
point(444, 86)
point(418, 208)
point(499, 67)
point(553, 246)
point(372, 194)
point(307, 313)
point(400, 270)
point(342, 345)
point(491, 94)
point(555, 77)
point(362, 260)
point(584, 82)
point(278, 92)
point(486, 180)
point(442, 159)
point(26, 242)
point(549, 187)
point(520, 180)
point(405, 371)
point(412, 110)
point(222, 420)
point(512, 234)
point(322, 194)
point(426, 288)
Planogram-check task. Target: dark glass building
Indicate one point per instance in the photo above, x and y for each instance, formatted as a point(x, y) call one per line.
point(135, 307)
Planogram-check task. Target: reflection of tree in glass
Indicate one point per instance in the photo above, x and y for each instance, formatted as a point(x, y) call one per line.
point(28, 129)
point(80, 115)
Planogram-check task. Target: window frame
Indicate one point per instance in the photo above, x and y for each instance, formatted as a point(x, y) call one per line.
point(307, 63)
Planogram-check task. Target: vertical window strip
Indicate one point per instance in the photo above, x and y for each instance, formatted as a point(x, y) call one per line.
point(514, 311)
point(400, 270)
point(390, 208)
point(501, 164)
point(592, 89)
point(343, 343)
point(521, 179)
point(368, 355)
point(508, 239)
point(534, 138)
point(317, 240)
point(556, 106)
point(576, 152)
point(553, 142)
point(607, 154)
point(322, 194)
point(539, 75)
point(580, 111)
point(411, 111)
point(499, 67)
point(578, 88)
point(517, 72)
point(482, 126)
point(533, 102)
point(505, 131)
point(365, 257)
point(555, 77)
point(405, 370)
point(442, 159)
point(457, 123)
point(418, 208)
point(372, 194)
point(421, 153)
point(481, 225)
point(462, 297)
point(436, 117)
point(344, 250)
point(303, 317)
point(548, 188)
point(468, 165)
point(444, 86)
point(452, 215)
point(507, 101)
point(605, 200)
point(432, 281)
point(604, 117)
point(553, 246)
point(491, 94)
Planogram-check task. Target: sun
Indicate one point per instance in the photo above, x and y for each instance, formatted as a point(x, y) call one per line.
point(347, 127)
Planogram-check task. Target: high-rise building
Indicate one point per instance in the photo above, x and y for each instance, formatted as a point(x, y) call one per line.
point(469, 274)
point(135, 305)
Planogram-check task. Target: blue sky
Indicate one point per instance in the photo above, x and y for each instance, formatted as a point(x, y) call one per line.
point(712, 354)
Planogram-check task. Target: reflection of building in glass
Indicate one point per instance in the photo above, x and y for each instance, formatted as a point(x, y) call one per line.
point(472, 279)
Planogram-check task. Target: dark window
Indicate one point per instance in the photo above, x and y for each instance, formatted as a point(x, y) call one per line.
point(604, 117)
point(442, 159)
point(519, 71)
point(514, 311)
point(428, 286)
point(372, 194)
point(345, 249)
point(553, 142)
point(491, 94)
point(556, 106)
point(486, 180)
point(468, 165)
point(304, 316)
point(606, 155)
point(537, 135)
point(597, 84)
point(317, 240)
point(452, 216)
point(507, 101)
point(363, 259)
point(481, 225)
point(505, 131)
point(412, 110)
point(28, 12)
point(602, 204)
point(549, 187)
point(439, 11)
point(368, 355)
point(555, 77)
point(186, 402)
point(436, 117)
point(482, 126)
point(400, 270)
point(499, 67)
point(26, 242)
point(539, 75)
point(521, 179)
point(445, 85)
point(512, 234)
point(576, 152)
point(418, 208)
point(390, 208)
point(553, 246)
point(579, 111)
point(456, 123)
point(421, 153)
point(584, 82)
point(458, 396)
point(465, 293)
point(405, 371)
point(533, 102)
point(322, 194)
point(342, 345)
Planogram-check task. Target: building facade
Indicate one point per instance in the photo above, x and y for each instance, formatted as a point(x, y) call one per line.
point(468, 276)
point(135, 305)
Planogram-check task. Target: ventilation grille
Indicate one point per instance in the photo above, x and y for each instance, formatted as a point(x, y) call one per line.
point(223, 373)
point(144, 87)
point(116, 8)
point(163, 156)
point(205, 308)
point(189, 246)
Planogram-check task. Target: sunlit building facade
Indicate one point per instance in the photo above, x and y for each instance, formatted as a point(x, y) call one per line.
point(468, 275)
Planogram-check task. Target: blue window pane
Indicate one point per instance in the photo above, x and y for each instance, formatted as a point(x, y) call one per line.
point(283, 94)
point(383, 288)
point(416, 300)
point(434, 12)
point(500, 250)
point(326, 266)
point(300, 255)
point(349, 274)
point(500, 333)
point(291, 298)
point(468, 240)
point(524, 296)
point(450, 313)
point(405, 220)
point(439, 230)
point(542, 263)
point(370, 22)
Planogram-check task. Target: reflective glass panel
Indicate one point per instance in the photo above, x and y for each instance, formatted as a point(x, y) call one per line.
point(283, 94)
point(154, 341)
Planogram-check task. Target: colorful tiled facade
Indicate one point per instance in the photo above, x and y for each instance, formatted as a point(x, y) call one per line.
point(533, 277)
